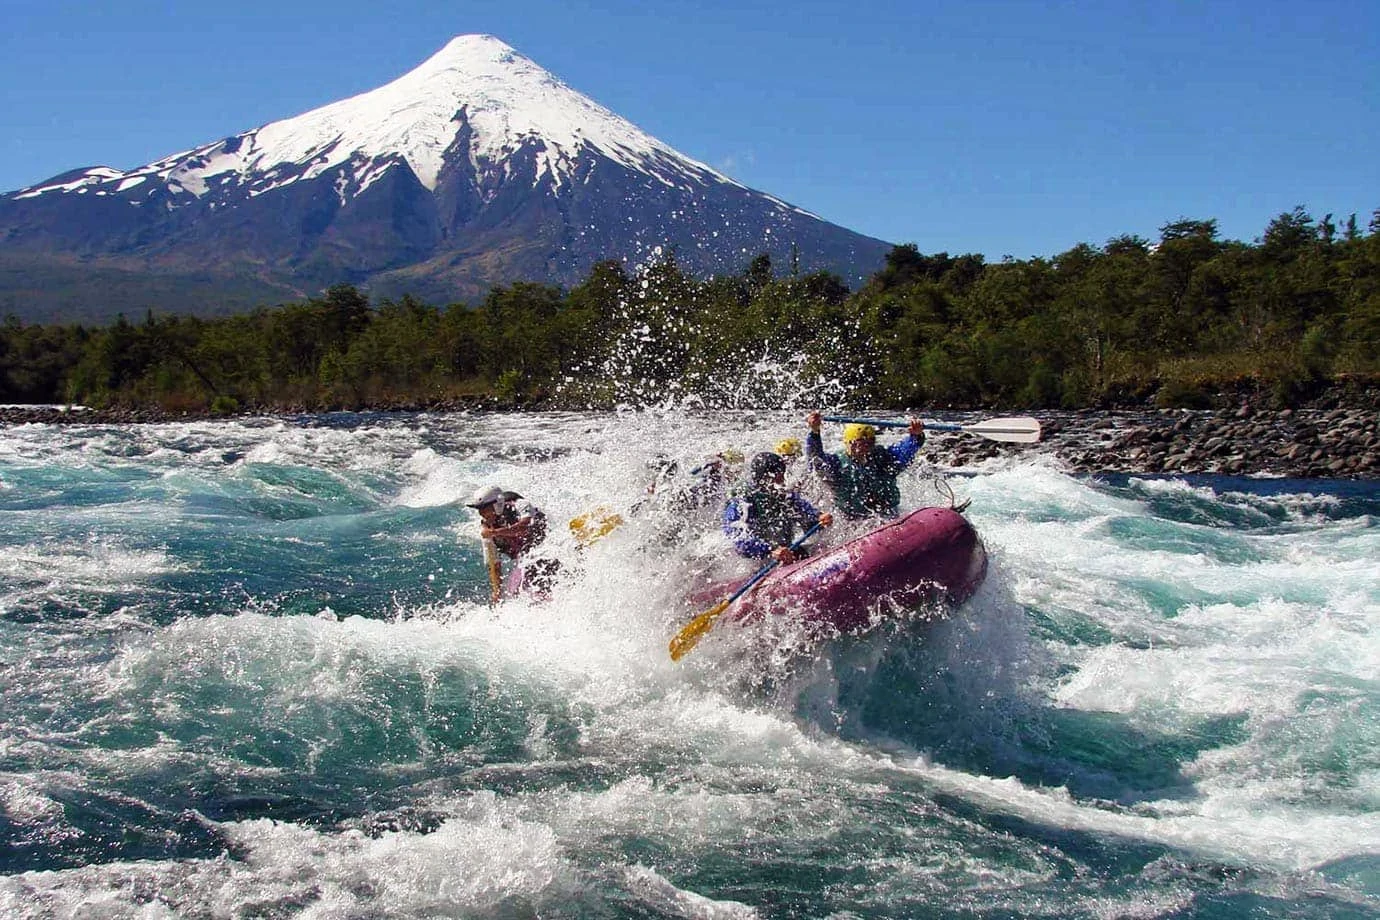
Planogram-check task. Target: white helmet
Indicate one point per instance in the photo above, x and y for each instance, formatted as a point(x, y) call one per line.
point(486, 495)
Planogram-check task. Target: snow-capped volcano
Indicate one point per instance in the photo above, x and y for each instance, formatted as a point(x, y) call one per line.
point(476, 168)
point(506, 100)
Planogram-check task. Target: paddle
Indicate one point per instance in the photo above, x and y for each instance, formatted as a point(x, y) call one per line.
point(495, 572)
point(1016, 429)
point(595, 524)
point(694, 631)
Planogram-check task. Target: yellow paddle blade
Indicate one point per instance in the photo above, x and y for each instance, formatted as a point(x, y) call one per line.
point(495, 568)
point(593, 526)
point(694, 631)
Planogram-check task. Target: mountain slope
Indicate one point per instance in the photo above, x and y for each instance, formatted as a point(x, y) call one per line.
point(474, 169)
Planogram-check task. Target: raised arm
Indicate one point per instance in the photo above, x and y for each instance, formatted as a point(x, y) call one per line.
point(908, 447)
point(815, 457)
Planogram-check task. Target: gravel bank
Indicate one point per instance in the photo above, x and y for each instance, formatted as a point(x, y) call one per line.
point(1342, 443)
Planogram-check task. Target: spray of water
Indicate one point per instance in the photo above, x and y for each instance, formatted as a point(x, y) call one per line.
point(665, 354)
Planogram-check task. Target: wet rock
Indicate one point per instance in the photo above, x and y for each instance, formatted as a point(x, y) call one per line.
point(1300, 441)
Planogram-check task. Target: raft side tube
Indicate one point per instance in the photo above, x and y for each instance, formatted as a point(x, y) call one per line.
point(929, 555)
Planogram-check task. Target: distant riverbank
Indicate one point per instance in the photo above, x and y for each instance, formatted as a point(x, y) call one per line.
point(1335, 436)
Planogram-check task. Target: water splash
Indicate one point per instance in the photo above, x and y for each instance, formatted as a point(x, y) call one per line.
point(666, 354)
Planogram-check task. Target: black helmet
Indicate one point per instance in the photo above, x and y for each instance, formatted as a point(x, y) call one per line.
point(765, 465)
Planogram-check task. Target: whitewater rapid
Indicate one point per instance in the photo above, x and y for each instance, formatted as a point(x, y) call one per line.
point(248, 669)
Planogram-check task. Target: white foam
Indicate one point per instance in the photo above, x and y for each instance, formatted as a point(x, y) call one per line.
point(1243, 830)
point(26, 806)
point(94, 565)
point(661, 895)
point(434, 480)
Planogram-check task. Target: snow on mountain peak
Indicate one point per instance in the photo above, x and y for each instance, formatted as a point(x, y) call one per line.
point(507, 99)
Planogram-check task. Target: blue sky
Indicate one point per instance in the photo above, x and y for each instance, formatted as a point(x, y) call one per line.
point(1002, 128)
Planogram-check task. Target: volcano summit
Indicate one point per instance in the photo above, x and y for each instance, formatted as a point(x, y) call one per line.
point(477, 168)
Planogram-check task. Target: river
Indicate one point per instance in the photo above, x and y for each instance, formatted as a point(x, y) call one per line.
point(248, 670)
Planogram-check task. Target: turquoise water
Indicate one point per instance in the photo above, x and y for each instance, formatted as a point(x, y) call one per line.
point(248, 671)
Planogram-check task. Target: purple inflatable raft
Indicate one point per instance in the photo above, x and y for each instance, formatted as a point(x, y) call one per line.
point(930, 555)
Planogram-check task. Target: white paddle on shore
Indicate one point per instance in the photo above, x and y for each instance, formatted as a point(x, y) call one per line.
point(1016, 429)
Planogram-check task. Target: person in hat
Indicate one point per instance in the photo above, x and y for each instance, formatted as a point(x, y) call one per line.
point(800, 476)
point(863, 476)
point(762, 521)
point(789, 449)
point(512, 526)
point(710, 480)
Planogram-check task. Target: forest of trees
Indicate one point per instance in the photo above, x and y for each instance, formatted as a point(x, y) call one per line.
point(1172, 321)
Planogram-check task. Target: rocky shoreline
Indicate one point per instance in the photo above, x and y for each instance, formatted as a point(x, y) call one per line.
point(1342, 443)
point(1336, 441)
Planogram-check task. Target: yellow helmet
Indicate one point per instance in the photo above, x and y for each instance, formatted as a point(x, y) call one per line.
point(731, 455)
point(856, 430)
point(789, 447)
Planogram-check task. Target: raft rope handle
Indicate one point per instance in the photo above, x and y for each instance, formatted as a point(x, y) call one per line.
point(941, 485)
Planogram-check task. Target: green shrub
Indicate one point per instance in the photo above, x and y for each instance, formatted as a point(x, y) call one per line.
point(225, 405)
point(1183, 394)
point(508, 387)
